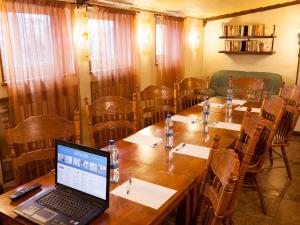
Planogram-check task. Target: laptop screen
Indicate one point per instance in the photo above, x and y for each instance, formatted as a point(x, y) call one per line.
point(82, 170)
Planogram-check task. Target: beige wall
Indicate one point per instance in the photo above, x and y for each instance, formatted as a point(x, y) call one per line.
point(284, 61)
point(193, 47)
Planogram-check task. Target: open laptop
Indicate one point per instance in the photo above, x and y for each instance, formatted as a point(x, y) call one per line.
point(81, 189)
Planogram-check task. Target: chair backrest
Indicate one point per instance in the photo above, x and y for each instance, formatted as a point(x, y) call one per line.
point(219, 181)
point(31, 143)
point(272, 111)
point(191, 91)
point(111, 117)
point(291, 96)
point(247, 88)
point(155, 103)
point(246, 144)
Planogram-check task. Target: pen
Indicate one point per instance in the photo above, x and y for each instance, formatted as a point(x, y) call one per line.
point(129, 185)
point(155, 144)
point(177, 149)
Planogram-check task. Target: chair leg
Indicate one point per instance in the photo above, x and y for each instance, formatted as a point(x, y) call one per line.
point(228, 221)
point(271, 156)
point(260, 194)
point(216, 221)
point(286, 161)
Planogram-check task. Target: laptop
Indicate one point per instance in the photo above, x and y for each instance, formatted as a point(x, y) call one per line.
point(81, 190)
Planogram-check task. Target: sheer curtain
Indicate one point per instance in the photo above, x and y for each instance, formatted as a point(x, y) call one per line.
point(169, 49)
point(39, 57)
point(112, 52)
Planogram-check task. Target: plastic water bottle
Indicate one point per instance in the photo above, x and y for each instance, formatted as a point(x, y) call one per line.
point(206, 110)
point(114, 161)
point(169, 132)
point(229, 100)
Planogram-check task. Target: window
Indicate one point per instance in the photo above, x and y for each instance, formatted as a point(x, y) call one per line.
point(33, 32)
point(158, 44)
point(160, 29)
point(101, 44)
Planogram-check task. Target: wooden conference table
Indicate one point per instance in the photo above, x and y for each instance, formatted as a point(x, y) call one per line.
point(177, 171)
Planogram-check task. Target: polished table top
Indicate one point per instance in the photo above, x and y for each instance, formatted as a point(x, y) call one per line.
point(156, 165)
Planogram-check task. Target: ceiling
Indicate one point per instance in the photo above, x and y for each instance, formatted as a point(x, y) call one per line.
point(200, 8)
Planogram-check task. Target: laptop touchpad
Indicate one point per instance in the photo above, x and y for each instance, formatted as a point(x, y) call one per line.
point(44, 215)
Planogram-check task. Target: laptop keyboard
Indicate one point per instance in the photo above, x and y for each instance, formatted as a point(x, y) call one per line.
point(66, 204)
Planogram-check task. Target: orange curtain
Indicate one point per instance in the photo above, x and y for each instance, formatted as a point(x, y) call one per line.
point(112, 52)
point(170, 58)
point(39, 57)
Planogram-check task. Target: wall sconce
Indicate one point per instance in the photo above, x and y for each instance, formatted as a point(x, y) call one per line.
point(194, 39)
point(144, 37)
point(85, 36)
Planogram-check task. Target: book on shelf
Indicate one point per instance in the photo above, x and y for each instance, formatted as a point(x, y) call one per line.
point(246, 46)
point(247, 30)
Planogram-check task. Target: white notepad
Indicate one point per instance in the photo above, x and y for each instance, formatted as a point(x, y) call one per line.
point(238, 102)
point(145, 193)
point(185, 119)
point(243, 108)
point(192, 150)
point(228, 126)
point(141, 139)
point(214, 105)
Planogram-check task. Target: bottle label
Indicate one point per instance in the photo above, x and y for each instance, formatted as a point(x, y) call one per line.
point(206, 112)
point(114, 166)
point(169, 133)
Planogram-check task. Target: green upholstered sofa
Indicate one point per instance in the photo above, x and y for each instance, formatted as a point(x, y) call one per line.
point(219, 81)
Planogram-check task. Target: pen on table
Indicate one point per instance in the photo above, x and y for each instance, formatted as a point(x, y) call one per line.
point(177, 149)
point(195, 121)
point(129, 185)
point(157, 143)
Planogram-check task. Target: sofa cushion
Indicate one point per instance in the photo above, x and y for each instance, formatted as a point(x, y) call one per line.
point(219, 81)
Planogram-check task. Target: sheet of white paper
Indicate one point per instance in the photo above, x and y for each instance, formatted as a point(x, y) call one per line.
point(213, 105)
point(228, 126)
point(243, 108)
point(145, 193)
point(185, 119)
point(192, 150)
point(141, 139)
point(238, 102)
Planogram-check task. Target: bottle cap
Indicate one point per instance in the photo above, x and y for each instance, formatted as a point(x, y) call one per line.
point(111, 142)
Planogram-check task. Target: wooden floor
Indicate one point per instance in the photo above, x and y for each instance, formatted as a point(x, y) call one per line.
point(282, 195)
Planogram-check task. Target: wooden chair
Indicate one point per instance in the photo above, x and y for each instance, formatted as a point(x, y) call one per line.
point(191, 91)
point(271, 115)
point(244, 147)
point(31, 143)
point(248, 88)
point(291, 96)
point(218, 185)
point(155, 103)
point(111, 117)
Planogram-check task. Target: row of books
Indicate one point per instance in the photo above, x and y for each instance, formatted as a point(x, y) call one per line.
point(250, 46)
point(247, 30)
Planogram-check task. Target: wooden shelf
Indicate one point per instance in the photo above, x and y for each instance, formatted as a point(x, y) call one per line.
point(247, 52)
point(246, 37)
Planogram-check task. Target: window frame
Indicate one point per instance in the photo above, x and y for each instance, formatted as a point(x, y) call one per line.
point(3, 78)
point(49, 62)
